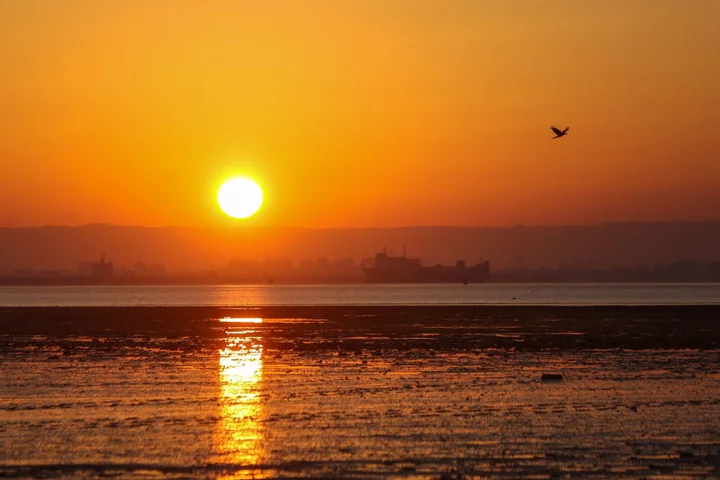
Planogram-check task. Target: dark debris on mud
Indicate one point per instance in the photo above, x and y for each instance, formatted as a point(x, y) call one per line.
point(352, 329)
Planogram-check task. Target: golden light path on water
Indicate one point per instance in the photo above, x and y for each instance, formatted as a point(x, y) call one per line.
point(240, 320)
point(240, 432)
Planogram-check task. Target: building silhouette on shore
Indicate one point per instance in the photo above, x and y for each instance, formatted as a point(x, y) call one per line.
point(102, 270)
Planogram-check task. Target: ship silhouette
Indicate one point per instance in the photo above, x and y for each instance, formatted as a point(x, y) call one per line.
point(403, 269)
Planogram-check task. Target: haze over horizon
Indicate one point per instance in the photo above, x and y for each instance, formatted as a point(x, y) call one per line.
point(247, 226)
point(199, 249)
point(359, 113)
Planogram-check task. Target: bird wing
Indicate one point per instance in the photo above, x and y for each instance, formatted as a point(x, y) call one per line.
point(556, 130)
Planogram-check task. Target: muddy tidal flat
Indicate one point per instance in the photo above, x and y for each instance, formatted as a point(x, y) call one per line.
point(360, 392)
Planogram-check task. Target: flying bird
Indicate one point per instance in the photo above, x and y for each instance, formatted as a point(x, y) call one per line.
point(559, 133)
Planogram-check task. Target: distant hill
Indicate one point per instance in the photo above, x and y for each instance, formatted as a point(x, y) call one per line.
point(178, 249)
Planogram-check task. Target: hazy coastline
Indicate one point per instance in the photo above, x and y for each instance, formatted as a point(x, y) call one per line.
point(619, 249)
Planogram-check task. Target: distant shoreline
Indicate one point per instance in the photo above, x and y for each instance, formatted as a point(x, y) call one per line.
point(634, 251)
point(202, 281)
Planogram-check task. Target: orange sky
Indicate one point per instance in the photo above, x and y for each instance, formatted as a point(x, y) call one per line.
point(359, 113)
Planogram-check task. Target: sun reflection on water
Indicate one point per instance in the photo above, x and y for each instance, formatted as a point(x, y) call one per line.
point(239, 436)
point(240, 320)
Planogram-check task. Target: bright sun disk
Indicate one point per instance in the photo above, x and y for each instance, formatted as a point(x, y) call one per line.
point(240, 197)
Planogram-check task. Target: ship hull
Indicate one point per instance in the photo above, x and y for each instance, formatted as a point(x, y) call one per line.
point(428, 275)
point(389, 269)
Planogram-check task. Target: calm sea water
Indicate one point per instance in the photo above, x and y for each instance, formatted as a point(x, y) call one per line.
point(446, 294)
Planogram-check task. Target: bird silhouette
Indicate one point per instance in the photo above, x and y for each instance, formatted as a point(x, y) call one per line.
point(559, 133)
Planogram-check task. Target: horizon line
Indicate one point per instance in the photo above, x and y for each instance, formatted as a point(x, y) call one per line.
point(400, 227)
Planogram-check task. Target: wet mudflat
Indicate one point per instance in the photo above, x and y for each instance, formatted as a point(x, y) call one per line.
point(360, 392)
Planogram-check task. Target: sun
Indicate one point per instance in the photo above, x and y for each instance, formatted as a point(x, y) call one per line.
point(240, 197)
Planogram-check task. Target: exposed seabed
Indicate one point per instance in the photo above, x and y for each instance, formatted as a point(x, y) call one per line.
point(406, 392)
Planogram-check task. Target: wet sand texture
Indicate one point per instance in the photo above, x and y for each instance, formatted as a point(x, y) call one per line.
point(360, 392)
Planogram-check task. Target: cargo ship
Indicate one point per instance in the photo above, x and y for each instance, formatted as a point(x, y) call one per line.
point(389, 269)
